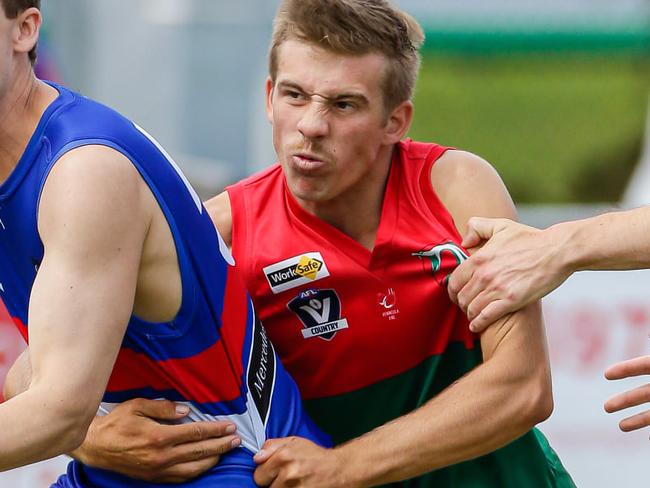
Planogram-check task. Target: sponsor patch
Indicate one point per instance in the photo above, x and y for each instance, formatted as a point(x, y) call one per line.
point(261, 370)
point(441, 260)
point(295, 271)
point(320, 313)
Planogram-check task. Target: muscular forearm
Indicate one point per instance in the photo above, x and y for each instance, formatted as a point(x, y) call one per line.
point(37, 425)
point(612, 241)
point(491, 406)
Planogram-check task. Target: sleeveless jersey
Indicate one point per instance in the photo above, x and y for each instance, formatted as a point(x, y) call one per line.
point(215, 355)
point(370, 336)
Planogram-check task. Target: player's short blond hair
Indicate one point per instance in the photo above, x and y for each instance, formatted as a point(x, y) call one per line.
point(355, 27)
point(14, 7)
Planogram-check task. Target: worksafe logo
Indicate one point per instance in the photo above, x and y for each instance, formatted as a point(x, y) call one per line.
point(442, 260)
point(296, 271)
point(320, 313)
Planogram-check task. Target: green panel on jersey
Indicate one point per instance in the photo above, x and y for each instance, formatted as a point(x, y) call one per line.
point(527, 462)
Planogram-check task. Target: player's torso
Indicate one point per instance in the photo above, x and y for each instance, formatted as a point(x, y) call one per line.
point(350, 324)
point(371, 336)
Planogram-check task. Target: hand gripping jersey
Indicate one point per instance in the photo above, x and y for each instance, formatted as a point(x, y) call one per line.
point(370, 336)
point(215, 355)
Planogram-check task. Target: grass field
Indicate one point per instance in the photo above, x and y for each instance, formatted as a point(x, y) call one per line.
point(561, 128)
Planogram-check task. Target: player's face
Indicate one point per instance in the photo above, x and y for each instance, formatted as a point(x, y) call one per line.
point(330, 127)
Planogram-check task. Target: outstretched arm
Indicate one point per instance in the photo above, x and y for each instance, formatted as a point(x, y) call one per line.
point(489, 407)
point(520, 264)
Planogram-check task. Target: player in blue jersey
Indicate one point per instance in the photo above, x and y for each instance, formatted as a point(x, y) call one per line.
point(112, 269)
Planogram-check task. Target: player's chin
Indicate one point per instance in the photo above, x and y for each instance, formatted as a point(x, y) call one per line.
point(309, 190)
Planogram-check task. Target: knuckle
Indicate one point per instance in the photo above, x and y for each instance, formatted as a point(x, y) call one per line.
point(198, 432)
point(199, 452)
point(153, 461)
point(159, 440)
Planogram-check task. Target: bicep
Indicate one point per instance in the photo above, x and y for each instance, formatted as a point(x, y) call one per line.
point(457, 176)
point(93, 229)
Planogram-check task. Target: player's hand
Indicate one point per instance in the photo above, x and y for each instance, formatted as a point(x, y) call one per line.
point(132, 442)
point(515, 267)
point(298, 462)
point(638, 396)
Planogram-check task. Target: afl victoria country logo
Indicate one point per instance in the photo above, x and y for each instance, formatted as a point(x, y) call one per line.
point(319, 312)
point(442, 259)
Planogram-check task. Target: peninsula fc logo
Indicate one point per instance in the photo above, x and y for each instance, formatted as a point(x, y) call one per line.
point(319, 312)
point(295, 271)
point(441, 260)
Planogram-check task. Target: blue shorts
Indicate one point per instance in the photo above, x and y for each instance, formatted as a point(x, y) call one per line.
point(235, 470)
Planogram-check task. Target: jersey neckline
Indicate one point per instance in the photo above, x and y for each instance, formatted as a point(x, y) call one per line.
point(346, 244)
point(33, 146)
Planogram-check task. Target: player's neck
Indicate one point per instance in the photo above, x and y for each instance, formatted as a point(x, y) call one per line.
point(357, 211)
point(21, 108)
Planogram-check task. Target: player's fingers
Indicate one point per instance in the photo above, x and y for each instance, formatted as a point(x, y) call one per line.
point(632, 367)
point(490, 314)
point(482, 299)
point(266, 473)
point(467, 297)
point(269, 448)
point(158, 409)
point(630, 398)
point(183, 472)
point(198, 431)
point(459, 279)
point(206, 449)
point(636, 422)
point(479, 229)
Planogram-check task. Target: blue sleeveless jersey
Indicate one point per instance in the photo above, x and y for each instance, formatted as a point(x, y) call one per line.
point(214, 356)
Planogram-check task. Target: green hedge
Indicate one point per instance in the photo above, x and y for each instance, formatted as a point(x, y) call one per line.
point(564, 127)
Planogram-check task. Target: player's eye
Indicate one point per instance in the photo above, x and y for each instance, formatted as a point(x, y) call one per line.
point(344, 105)
point(294, 95)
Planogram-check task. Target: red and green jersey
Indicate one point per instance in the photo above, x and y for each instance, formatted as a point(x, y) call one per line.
point(372, 335)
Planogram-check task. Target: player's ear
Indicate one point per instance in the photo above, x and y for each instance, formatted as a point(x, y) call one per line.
point(26, 30)
point(269, 99)
point(398, 122)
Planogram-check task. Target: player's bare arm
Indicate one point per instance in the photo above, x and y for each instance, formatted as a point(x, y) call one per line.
point(135, 439)
point(520, 264)
point(93, 226)
point(492, 405)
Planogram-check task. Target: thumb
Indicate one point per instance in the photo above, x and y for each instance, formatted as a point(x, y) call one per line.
point(162, 409)
point(479, 229)
point(270, 447)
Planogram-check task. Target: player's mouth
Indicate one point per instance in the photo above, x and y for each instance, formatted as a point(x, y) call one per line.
point(307, 163)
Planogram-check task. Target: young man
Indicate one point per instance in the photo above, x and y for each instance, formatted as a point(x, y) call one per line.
point(346, 246)
point(520, 264)
point(101, 238)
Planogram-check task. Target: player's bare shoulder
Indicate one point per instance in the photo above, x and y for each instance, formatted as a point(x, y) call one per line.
point(93, 181)
point(219, 210)
point(469, 186)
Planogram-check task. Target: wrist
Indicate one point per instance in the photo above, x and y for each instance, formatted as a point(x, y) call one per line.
point(569, 246)
point(351, 471)
point(83, 453)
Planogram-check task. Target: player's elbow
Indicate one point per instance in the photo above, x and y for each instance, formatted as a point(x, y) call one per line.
point(538, 397)
point(70, 419)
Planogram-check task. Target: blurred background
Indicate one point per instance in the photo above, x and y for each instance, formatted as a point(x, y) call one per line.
point(554, 94)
